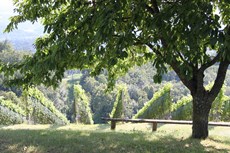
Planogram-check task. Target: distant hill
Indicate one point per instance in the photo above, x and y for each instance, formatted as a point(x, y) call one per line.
point(23, 37)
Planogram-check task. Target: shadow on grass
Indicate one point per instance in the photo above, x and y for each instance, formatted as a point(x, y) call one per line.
point(63, 141)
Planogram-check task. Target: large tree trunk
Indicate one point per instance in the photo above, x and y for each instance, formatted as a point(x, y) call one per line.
point(201, 109)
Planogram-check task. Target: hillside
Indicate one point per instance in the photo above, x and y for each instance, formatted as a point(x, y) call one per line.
point(23, 38)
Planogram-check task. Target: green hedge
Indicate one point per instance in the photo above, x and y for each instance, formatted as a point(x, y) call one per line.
point(12, 106)
point(10, 113)
point(217, 105)
point(225, 116)
point(158, 106)
point(41, 109)
point(118, 107)
point(82, 111)
point(9, 95)
point(182, 109)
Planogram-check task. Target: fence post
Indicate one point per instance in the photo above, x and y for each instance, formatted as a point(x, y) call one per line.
point(154, 128)
point(113, 125)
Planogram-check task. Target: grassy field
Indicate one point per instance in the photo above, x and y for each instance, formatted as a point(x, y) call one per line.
point(128, 138)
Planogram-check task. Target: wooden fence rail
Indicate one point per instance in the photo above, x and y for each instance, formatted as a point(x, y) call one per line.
point(155, 121)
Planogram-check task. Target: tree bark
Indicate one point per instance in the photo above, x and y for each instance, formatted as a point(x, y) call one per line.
point(201, 109)
point(202, 99)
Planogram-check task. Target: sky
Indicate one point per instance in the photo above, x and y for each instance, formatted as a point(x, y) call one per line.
point(6, 5)
point(6, 11)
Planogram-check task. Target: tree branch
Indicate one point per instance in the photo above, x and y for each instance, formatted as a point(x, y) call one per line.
point(154, 50)
point(92, 3)
point(155, 6)
point(175, 67)
point(171, 2)
point(185, 61)
point(210, 63)
point(221, 74)
point(174, 64)
point(184, 79)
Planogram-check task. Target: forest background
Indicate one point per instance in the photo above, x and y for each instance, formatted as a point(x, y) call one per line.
point(138, 81)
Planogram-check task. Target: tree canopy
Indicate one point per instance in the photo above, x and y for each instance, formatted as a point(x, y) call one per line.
point(115, 35)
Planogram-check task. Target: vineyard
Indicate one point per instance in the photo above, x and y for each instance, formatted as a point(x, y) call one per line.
point(34, 108)
point(10, 113)
point(80, 98)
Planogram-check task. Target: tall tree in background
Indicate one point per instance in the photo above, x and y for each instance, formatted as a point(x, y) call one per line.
point(117, 34)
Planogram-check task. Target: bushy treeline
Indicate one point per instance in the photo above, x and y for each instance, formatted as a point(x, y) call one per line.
point(141, 90)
